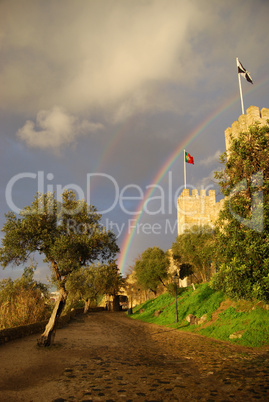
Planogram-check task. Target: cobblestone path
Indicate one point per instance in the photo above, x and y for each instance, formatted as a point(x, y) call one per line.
point(109, 357)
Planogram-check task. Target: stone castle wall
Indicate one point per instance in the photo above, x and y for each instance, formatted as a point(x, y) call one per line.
point(197, 209)
point(253, 115)
point(201, 209)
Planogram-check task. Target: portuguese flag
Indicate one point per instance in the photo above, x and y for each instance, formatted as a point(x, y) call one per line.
point(189, 158)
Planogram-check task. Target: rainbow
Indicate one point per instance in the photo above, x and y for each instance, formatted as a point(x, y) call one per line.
point(129, 236)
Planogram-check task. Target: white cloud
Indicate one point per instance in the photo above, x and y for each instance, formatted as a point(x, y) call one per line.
point(116, 55)
point(94, 53)
point(54, 128)
point(151, 70)
point(211, 159)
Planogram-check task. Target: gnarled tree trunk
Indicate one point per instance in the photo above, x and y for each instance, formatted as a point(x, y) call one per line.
point(48, 335)
point(87, 305)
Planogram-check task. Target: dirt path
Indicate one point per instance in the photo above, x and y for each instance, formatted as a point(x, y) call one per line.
point(109, 357)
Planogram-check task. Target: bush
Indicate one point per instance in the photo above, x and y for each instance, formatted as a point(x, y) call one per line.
point(237, 281)
point(22, 301)
point(242, 230)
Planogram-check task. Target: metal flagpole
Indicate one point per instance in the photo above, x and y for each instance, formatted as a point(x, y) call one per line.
point(184, 169)
point(240, 87)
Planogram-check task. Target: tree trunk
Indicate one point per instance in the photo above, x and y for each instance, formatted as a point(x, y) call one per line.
point(87, 306)
point(204, 274)
point(48, 335)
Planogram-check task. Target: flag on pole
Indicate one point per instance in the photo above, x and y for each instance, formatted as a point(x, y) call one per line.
point(189, 158)
point(241, 70)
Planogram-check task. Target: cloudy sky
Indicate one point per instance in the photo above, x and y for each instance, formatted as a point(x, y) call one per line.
point(102, 96)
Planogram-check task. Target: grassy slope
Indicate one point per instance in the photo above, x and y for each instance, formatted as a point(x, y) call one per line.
point(224, 317)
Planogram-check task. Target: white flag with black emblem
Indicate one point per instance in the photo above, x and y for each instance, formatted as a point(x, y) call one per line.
point(241, 70)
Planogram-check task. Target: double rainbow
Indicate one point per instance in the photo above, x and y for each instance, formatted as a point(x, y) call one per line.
point(129, 236)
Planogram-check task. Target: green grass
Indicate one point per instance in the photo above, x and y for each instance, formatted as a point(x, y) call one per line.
point(253, 324)
point(244, 318)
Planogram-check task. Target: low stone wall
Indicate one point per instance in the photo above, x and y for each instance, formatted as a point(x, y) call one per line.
point(8, 334)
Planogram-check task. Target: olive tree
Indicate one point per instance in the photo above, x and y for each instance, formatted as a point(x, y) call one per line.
point(93, 282)
point(68, 233)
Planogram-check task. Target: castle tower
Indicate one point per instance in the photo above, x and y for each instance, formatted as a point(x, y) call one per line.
point(197, 209)
point(201, 209)
point(254, 115)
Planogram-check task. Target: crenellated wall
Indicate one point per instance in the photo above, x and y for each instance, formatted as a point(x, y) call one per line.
point(197, 209)
point(253, 115)
point(201, 209)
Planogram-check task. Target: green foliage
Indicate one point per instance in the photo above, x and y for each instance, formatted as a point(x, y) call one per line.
point(251, 324)
point(194, 251)
point(203, 300)
point(162, 302)
point(171, 288)
point(248, 154)
point(68, 234)
point(230, 313)
point(90, 283)
point(242, 231)
point(108, 279)
point(237, 281)
point(151, 269)
point(23, 301)
point(79, 286)
point(185, 270)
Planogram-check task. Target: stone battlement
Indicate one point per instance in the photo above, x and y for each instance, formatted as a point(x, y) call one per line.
point(197, 209)
point(195, 193)
point(201, 209)
point(253, 115)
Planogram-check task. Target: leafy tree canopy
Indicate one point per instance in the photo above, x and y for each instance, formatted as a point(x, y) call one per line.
point(108, 279)
point(92, 282)
point(68, 233)
point(193, 252)
point(243, 225)
point(151, 268)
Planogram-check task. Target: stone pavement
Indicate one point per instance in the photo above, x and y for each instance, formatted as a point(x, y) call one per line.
point(110, 357)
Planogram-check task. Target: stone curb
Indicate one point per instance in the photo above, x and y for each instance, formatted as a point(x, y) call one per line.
point(8, 334)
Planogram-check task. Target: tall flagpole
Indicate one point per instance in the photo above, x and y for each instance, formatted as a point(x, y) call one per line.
point(240, 87)
point(184, 169)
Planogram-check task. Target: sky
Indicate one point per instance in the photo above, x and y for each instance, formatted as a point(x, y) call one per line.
point(102, 97)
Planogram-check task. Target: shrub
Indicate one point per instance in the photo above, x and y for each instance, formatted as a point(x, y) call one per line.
point(22, 301)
